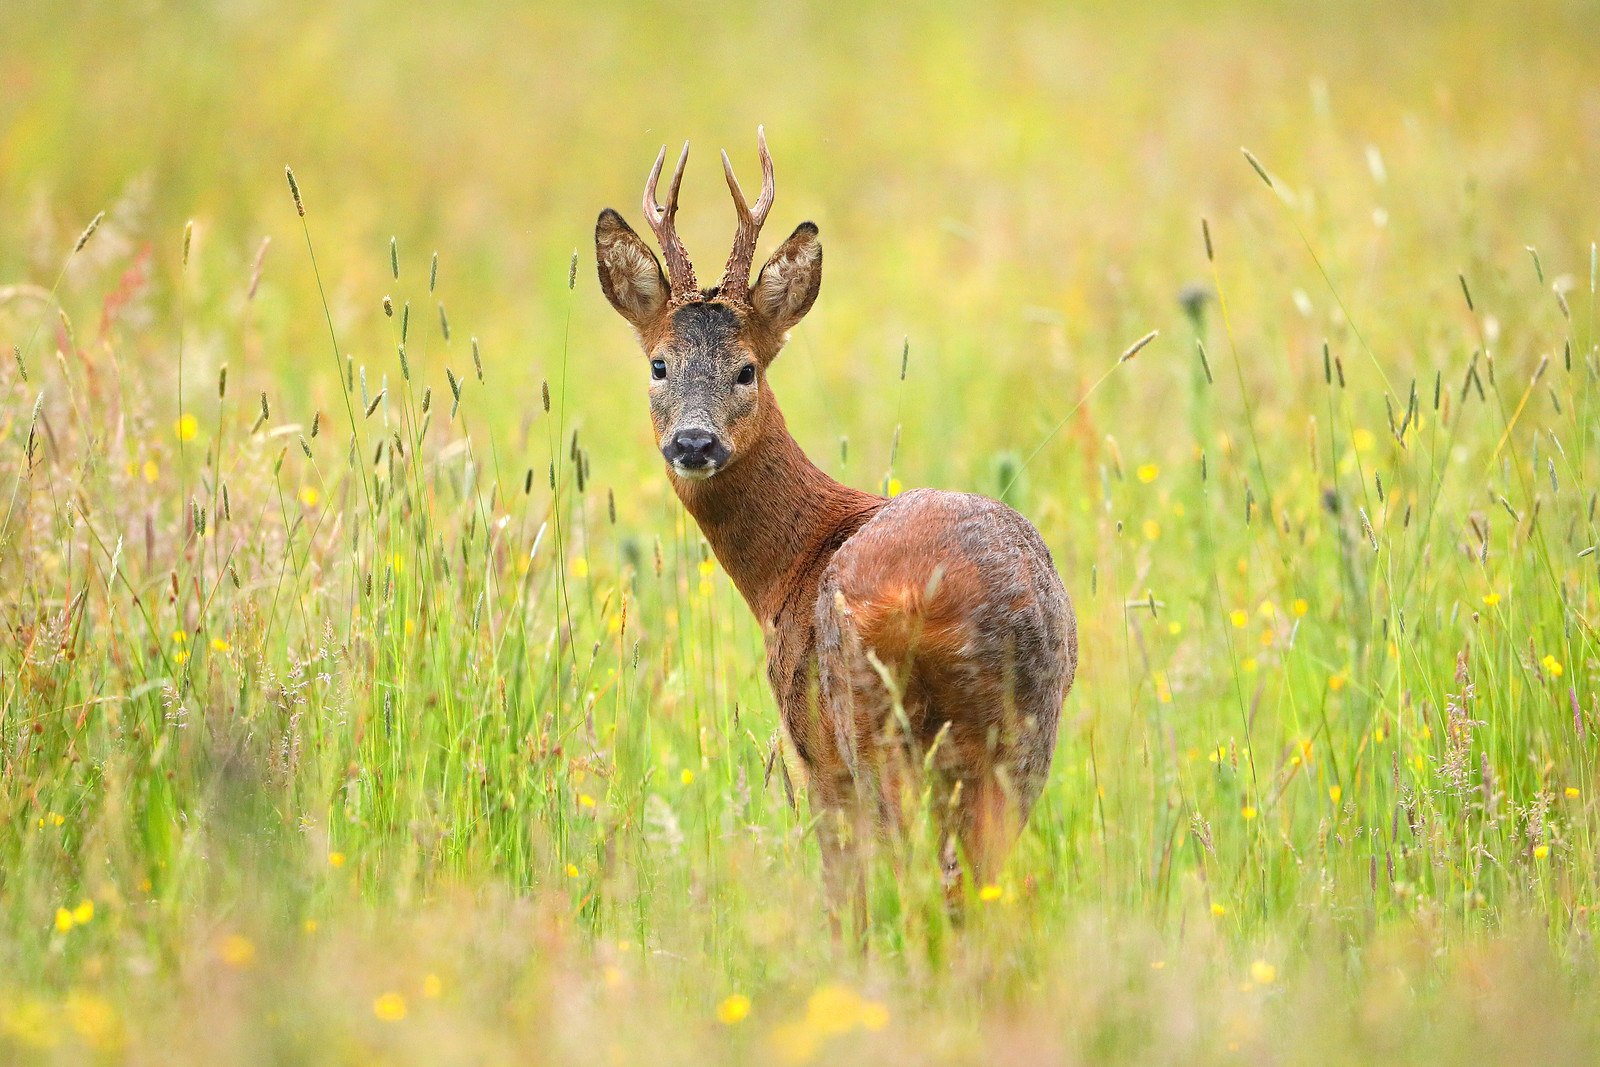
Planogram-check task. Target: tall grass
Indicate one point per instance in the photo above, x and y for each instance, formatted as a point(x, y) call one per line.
point(366, 694)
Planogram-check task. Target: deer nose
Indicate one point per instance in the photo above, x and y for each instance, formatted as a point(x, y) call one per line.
point(695, 449)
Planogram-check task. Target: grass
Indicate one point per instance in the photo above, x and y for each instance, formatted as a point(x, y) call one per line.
point(367, 696)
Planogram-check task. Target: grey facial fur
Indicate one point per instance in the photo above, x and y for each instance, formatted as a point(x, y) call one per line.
point(697, 407)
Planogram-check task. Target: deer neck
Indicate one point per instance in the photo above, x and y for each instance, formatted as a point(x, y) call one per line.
point(772, 516)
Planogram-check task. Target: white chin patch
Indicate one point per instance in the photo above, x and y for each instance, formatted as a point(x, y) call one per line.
point(693, 474)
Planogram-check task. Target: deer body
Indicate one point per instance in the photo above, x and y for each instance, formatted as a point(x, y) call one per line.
point(928, 630)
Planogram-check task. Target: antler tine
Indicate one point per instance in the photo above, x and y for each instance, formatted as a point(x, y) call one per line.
point(663, 223)
point(736, 278)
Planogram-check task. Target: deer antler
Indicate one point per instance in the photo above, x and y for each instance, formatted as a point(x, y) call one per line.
point(735, 284)
point(663, 223)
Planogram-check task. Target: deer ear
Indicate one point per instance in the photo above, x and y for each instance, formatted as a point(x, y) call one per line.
point(630, 274)
point(788, 283)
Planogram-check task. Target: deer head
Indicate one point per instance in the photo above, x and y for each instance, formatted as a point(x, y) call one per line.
point(708, 349)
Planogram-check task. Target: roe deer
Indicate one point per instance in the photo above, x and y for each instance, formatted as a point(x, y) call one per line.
point(927, 630)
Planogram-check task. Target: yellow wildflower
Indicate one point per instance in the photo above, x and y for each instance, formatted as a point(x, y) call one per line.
point(150, 471)
point(1148, 473)
point(1248, 812)
point(1541, 851)
point(687, 777)
point(1218, 910)
point(1572, 792)
point(309, 495)
point(1239, 619)
point(1334, 793)
point(1552, 666)
point(989, 893)
point(83, 913)
point(580, 567)
point(1491, 599)
point(219, 645)
point(1263, 973)
point(1300, 606)
point(572, 870)
point(1152, 530)
point(187, 428)
point(390, 1007)
point(63, 920)
point(432, 987)
point(585, 800)
point(894, 487)
point(733, 1009)
point(834, 1009)
point(336, 859)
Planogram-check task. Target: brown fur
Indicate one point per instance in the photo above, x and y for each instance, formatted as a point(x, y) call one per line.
point(927, 629)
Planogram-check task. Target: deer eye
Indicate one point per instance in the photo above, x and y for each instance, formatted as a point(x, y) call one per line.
point(747, 374)
point(658, 369)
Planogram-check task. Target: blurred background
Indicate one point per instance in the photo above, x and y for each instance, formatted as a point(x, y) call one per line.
point(1017, 190)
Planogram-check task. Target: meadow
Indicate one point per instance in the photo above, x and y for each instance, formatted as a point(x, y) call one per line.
point(366, 696)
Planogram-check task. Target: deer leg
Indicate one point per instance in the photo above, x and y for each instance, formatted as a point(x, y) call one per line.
point(844, 872)
point(986, 826)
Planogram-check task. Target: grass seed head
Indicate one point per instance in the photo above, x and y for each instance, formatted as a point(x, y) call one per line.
point(1257, 167)
point(294, 191)
point(88, 232)
point(1133, 349)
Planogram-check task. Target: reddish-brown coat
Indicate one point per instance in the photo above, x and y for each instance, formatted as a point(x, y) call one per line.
point(930, 630)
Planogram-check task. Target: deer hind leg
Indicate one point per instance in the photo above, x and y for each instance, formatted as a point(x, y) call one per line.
point(981, 823)
point(843, 833)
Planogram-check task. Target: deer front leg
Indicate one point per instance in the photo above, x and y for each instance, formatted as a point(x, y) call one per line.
point(844, 872)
